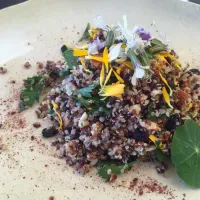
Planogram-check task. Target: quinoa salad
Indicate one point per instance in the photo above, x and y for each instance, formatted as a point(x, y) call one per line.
point(120, 97)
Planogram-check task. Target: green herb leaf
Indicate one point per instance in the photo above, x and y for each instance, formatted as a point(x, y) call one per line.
point(109, 167)
point(86, 34)
point(144, 59)
point(28, 96)
point(83, 101)
point(64, 72)
point(156, 46)
point(86, 92)
point(186, 152)
point(70, 59)
point(110, 38)
point(157, 49)
point(133, 57)
point(154, 118)
point(161, 156)
point(156, 42)
point(33, 80)
point(31, 91)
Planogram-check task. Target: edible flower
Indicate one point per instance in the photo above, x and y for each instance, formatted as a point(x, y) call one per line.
point(108, 76)
point(80, 52)
point(102, 75)
point(166, 97)
point(145, 35)
point(95, 46)
point(103, 59)
point(55, 106)
point(165, 81)
point(139, 71)
point(93, 33)
point(133, 40)
point(115, 90)
point(156, 141)
point(165, 54)
point(118, 77)
point(99, 23)
point(82, 60)
point(114, 52)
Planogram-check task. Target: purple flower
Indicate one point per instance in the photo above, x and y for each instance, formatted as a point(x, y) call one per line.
point(145, 35)
point(95, 46)
point(98, 43)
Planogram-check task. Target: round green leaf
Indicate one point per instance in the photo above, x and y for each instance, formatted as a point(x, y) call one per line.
point(186, 152)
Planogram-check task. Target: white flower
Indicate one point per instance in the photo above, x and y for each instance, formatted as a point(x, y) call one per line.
point(134, 80)
point(139, 72)
point(114, 51)
point(99, 23)
point(93, 49)
point(133, 40)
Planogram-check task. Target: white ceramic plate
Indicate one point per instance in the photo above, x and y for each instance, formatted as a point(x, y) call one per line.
point(35, 31)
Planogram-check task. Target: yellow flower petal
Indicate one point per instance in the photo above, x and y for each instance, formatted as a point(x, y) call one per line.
point(118, 69)
point(55, 106)
point(108, 76)
point(166, 97)
point(161, 58)
point(105, 57)
point(128, 64)
point(153, 138)
point(82, 60)
point(93, 33)
point(177, 64)
point(165, 81)
point(123, 46)
point(173, 58)
point(80, 52)
point(118, 77)
point(100, 59)
point(102, 75)
point(115, 90)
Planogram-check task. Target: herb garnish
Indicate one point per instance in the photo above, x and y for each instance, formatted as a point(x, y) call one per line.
point(106, 168)
point(31, 91)
point(86, 34)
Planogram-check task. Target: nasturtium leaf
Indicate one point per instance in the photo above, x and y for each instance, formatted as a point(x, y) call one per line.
point(186, 152)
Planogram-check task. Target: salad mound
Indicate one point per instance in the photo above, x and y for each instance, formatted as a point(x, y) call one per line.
point(117, 99)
